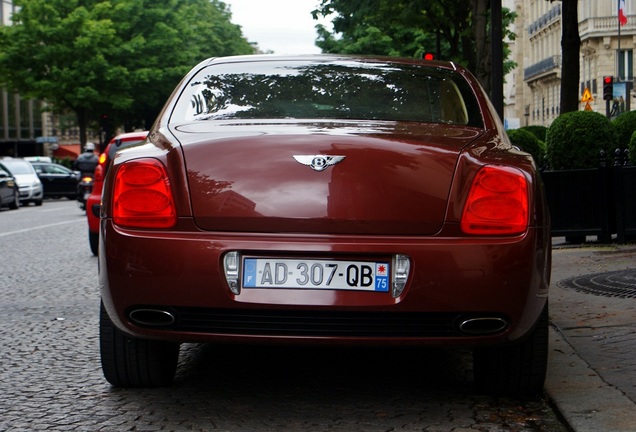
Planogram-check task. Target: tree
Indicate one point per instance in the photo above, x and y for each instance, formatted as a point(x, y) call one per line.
point(120, 58)
point(570, 47)
point(456, 30)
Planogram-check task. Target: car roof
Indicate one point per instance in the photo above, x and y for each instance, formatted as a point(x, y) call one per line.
point(329, 58)
point(10, 159)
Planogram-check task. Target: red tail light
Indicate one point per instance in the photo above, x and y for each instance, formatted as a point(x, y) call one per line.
point(497, 204)
point(142, 196)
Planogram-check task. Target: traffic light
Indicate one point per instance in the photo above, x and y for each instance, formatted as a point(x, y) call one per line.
point(103, 121)
point(428, 56)
point(608, 87)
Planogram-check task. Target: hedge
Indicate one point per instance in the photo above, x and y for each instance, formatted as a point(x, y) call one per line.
point(576, 139)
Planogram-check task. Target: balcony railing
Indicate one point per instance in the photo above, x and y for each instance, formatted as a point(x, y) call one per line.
point(606, 26)
point(545, 20)
point(545, 65)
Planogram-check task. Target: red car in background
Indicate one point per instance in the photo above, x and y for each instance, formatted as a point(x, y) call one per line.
point(94, 200)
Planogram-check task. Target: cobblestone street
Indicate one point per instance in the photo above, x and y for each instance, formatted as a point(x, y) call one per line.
point(51, 379)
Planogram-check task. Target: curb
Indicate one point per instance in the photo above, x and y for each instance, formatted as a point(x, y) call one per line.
point(579, 394)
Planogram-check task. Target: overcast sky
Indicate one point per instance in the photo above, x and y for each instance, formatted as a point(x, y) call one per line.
point(283, 26)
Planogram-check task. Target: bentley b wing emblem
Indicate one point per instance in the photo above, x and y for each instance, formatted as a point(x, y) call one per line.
point(318, 162)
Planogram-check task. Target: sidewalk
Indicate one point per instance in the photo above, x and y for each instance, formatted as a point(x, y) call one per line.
point(592, 367)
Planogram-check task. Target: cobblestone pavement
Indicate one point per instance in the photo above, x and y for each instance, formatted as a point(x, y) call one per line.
point(594, 306)
point(592, 374)
point(50, 375)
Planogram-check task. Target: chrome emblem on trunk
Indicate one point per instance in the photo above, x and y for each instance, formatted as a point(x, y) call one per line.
point(318, 162)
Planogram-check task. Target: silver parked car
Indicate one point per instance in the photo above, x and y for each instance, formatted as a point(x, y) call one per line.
point(31, 190)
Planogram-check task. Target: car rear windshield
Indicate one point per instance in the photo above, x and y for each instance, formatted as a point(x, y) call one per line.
point(334, 90)
point(19, 167)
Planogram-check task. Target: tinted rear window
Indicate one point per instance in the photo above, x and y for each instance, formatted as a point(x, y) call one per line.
point(337, 90)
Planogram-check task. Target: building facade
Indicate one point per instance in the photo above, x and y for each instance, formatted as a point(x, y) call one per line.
point(534, 88)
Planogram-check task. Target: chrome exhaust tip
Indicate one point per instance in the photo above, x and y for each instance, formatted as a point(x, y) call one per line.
point(483, 325)
point(152, 317)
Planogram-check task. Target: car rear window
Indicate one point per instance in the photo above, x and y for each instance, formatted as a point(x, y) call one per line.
point(19, 167)
point(335, 90)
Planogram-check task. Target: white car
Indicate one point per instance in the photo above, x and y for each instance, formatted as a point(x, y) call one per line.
point(31, 190)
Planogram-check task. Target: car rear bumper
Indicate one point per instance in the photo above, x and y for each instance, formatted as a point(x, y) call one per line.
point(168, 285)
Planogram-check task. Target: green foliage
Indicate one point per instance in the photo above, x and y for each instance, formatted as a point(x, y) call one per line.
point(120, 57)
point(65, 161)
point(625, 125)
point(539, 131)
point(529, 143)
point(575, 140)
point(411, 28)
point(632, 149)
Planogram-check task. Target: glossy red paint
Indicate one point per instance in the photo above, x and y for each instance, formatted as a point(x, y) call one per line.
point(391, 181)
point(263, 188)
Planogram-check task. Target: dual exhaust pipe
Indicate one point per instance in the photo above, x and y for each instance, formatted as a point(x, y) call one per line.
point(475, 326)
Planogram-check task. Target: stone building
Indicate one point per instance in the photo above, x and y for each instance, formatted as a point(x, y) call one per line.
point(533, 89)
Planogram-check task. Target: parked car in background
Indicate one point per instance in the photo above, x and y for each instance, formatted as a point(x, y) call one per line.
point(326, 200)
point(9, 190)
point(57, 180)
point(31, 190)
point(93, 202)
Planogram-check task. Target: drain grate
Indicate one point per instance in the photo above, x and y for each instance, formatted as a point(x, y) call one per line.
point(620, 284)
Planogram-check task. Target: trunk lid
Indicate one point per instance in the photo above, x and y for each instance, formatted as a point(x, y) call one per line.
point(393, 178)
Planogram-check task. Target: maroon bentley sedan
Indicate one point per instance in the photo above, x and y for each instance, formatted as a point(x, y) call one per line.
point(325, 200)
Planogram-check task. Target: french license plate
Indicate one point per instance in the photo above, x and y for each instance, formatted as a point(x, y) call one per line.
point(315, 274)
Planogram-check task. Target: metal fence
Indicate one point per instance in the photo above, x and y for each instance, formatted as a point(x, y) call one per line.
point(594, 202)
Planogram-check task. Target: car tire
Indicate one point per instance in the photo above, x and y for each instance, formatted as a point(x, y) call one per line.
point(93, 241)
point(16, 201)
point(38, 202)
point(516, 370)
point(133, 363)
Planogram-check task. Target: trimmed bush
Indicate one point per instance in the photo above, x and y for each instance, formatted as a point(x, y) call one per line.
point(625, 125)
point(66, 161)
point(575, 140)
point(538, 131)
point(632, 149)
point(529, 143)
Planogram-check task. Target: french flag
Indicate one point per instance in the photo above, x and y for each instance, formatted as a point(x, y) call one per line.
point(622, 18)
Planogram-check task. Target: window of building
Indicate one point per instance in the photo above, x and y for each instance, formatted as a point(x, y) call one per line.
point(626, 65)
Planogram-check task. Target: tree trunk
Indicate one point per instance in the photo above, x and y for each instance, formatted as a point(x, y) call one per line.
point(570, 47)
point(481, 38)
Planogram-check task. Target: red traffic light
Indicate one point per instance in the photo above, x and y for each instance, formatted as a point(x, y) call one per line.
point(428, 56)
point(608, 88)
